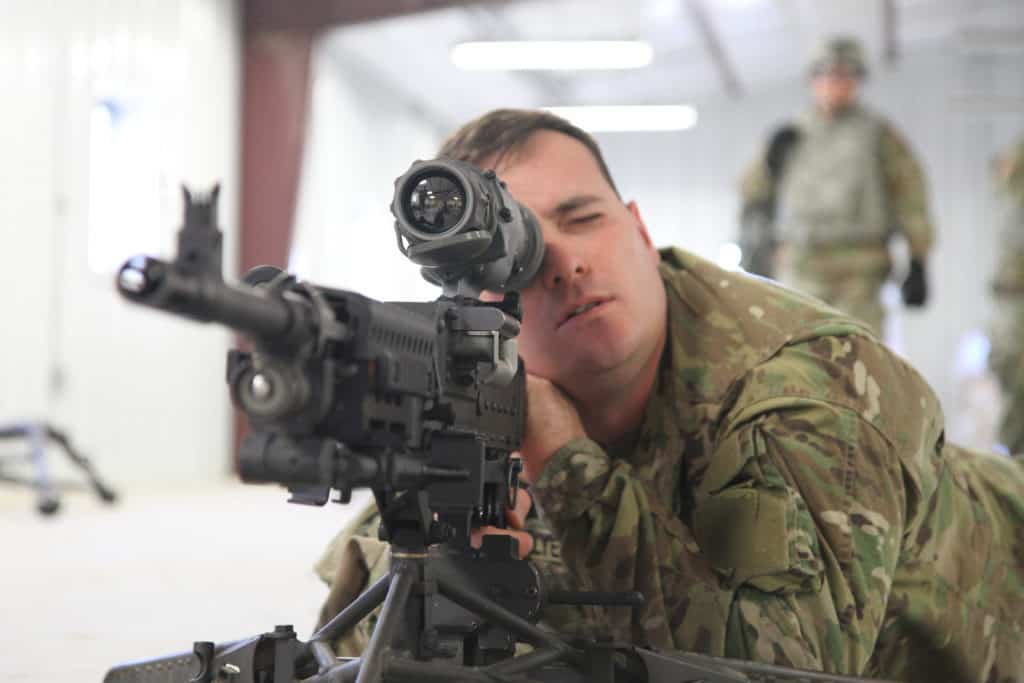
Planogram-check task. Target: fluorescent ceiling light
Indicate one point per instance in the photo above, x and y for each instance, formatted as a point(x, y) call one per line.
point(606, 119)
point(552, 55)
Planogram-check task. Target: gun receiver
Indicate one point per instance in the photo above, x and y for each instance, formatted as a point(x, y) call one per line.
point(343, 391)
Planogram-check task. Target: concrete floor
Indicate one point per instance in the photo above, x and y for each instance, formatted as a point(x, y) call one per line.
point(96, 585)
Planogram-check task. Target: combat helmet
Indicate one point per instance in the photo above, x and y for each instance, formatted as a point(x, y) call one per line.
point(839, 51)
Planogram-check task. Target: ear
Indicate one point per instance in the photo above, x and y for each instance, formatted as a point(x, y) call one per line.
point(642, 227)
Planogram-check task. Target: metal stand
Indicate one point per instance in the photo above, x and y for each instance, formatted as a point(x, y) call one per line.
point(408, 584)
point(37, 434)
point(438, 623)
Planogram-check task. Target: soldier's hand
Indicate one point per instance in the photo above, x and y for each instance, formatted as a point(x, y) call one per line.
point(915, 287)
point(516, 518)
point(551, 422)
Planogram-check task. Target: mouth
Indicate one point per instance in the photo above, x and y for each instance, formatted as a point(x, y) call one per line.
point(580, 310)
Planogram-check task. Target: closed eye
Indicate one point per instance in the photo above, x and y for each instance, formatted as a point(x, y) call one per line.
point(588, 218)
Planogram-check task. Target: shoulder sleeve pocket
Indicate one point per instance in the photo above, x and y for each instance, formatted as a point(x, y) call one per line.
point(755, 529)
point(760, 537)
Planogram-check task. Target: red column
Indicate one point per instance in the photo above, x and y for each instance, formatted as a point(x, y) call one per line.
point(275, 102)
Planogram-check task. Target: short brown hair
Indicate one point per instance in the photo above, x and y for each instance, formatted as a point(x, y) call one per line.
point(504, 131)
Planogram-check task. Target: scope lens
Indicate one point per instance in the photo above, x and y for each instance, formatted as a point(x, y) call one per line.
point(436, 204)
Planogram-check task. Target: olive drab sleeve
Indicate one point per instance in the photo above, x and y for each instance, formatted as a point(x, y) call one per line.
point(1006, 357)
point(906, 192)
point(617, 534)
point(756, 220)
point(802, 515)
point(755, 183)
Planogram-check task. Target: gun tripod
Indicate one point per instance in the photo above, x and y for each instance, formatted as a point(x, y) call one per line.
point(416, 587)
point(47, 490)
point(438, 607)
point(447, 612)
point(445, 616)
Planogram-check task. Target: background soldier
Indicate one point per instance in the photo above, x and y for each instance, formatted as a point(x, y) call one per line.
point(1007, 357)
point(849, 183)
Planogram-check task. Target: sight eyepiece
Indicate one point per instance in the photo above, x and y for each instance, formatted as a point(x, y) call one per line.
point(464, 229)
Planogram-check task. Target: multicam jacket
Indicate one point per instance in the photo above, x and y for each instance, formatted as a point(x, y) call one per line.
point(789, 499)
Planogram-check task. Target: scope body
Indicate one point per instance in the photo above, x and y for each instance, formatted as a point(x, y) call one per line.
point(464, 228)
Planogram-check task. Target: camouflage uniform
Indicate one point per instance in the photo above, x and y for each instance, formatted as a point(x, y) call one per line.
point(1007, 359)
point(789, 499)
point(846, 269)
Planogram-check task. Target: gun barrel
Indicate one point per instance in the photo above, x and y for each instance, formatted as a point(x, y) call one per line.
point(158, 284)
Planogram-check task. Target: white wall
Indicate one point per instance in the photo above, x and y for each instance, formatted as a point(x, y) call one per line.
point(141, 393)
point(362, 136)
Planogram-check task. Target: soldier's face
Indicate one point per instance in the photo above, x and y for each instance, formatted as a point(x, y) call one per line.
point(834, 90)
point(598, 303)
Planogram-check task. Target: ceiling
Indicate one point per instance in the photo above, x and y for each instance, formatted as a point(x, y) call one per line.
point(703, 48)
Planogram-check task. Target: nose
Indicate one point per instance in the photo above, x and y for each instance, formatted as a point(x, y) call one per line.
point(563, 265)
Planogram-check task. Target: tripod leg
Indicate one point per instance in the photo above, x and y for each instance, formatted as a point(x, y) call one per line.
point(102, 490)
point(48, 502)
point(496, 614)
point(404, 573)
point(323, 654)
point(355, 612)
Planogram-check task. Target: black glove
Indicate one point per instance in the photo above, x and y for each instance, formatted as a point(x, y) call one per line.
point(915, 287)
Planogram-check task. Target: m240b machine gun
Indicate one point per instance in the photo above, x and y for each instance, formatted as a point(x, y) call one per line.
point(423, 403)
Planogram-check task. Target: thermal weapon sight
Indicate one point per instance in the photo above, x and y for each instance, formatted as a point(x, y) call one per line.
point(464, 229)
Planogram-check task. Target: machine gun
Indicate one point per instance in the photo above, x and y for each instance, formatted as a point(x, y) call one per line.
point(423, 403)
